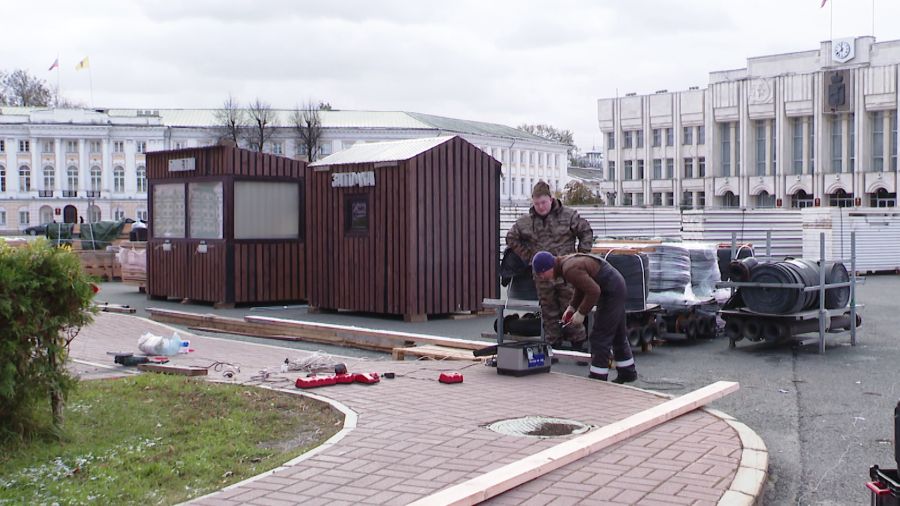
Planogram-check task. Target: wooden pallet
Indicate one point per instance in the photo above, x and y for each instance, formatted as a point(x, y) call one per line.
point(434, 352)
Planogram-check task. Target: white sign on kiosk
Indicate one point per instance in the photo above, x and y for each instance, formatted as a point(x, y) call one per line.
point(181, 164)
point(350, 179)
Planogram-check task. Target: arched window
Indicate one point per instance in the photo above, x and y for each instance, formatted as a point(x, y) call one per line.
point(46, 214)
point(49, 178)
point(141, 179)
point(94, 213)
point(24, 179)
point(801, 199)
point(119, 180)
point(119, 214)
point(764, 200)
point(730, 200)
point(72, 178)
point(96, 178)
point(881, 198)
point(840, 198)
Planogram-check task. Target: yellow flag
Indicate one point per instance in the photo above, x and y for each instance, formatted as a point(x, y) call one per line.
point(83, 64)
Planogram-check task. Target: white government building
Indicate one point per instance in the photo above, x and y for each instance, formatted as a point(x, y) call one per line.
point(791, 130)
point(65, 165)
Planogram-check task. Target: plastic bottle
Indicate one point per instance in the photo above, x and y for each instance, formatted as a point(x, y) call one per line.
point(172, 345)
point(185, 347)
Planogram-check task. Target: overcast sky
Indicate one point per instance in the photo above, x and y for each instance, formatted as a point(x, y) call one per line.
point(499, 61)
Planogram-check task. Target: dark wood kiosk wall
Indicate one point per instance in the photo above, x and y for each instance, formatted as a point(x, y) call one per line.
point(408, 228)
point(226, 226)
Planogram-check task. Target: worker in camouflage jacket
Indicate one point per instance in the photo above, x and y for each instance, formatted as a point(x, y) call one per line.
point(550, 226)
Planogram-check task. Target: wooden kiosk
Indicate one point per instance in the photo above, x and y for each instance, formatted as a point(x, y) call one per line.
point(226, 226)
point(406, 227)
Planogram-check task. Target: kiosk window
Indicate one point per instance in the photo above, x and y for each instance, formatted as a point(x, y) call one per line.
point(267, 210)
point(168, 211)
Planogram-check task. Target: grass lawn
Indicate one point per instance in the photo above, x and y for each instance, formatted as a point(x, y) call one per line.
point(157, 439)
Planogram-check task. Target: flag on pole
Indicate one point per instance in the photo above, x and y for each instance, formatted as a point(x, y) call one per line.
point(823, 3)
point(83, 64)
point(55, 65)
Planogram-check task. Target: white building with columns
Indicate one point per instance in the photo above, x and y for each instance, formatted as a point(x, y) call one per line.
point(800, 129)
point(66, 165)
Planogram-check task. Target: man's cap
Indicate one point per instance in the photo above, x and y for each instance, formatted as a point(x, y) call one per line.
point(543, 261)
point(541, 188)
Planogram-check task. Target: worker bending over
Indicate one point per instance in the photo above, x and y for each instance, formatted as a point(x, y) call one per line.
point(595, 282)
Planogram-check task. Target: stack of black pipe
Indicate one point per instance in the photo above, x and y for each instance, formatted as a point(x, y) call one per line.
point(792, 300)
point(724, 255)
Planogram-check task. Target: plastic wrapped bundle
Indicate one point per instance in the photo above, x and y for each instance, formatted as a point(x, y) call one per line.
point(635, 268)
point(704, 269)
point(670, 268)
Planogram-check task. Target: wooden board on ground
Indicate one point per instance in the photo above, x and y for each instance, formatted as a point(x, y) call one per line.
point(500, 480)
point(433, 352)
point(349, 333)
point(210, 322)
point(173, 369)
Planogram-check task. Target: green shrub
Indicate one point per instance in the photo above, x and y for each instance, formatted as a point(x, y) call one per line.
point(45, 299)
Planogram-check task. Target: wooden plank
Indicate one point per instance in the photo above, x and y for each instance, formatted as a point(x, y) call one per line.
point(344, 330)
point(173, 369)
point(500, 480)
point(274, 331)
point(434, 352)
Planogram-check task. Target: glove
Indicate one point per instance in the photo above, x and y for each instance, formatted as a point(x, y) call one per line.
point(567, 316)
point(577, 318)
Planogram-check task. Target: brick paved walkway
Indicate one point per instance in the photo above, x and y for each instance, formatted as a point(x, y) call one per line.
point(414, 436)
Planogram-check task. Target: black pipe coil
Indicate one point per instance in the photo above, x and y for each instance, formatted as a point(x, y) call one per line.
point(740, 270)
point(724, 255)
point(792, 300)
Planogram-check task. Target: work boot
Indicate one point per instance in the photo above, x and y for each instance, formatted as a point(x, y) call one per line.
point(601, 377)
point(625, 375)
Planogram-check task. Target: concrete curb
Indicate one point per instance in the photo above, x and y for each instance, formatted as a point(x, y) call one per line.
point(753, 468)
point(350, 420)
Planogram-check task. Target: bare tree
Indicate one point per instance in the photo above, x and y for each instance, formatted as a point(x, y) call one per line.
point(308, 124)
point(263, 121)
point(231, 121)
point(61, 101)
point(19, 88)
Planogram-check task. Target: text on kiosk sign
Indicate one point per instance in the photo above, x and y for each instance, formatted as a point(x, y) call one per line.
point(349, 179)
point(181, 164)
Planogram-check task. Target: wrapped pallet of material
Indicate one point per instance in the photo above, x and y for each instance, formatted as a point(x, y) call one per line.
point(634, 266)
point(704, 267)
point(670, 268)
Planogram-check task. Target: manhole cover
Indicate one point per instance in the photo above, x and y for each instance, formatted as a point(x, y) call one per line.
point(538, 426)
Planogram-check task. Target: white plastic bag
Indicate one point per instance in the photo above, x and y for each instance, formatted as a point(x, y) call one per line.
point(152, 344)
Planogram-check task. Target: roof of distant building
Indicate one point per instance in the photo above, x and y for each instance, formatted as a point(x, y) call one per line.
point(585, 174)
point(205, 118)
point(392, 151)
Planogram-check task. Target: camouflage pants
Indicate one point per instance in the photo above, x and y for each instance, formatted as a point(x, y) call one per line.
point(554, 297)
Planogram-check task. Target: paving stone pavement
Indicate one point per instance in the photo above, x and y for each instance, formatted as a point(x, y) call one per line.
point(408, 437)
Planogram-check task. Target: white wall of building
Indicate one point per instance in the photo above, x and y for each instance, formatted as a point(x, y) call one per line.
point(770, 136)
point(37, 142)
